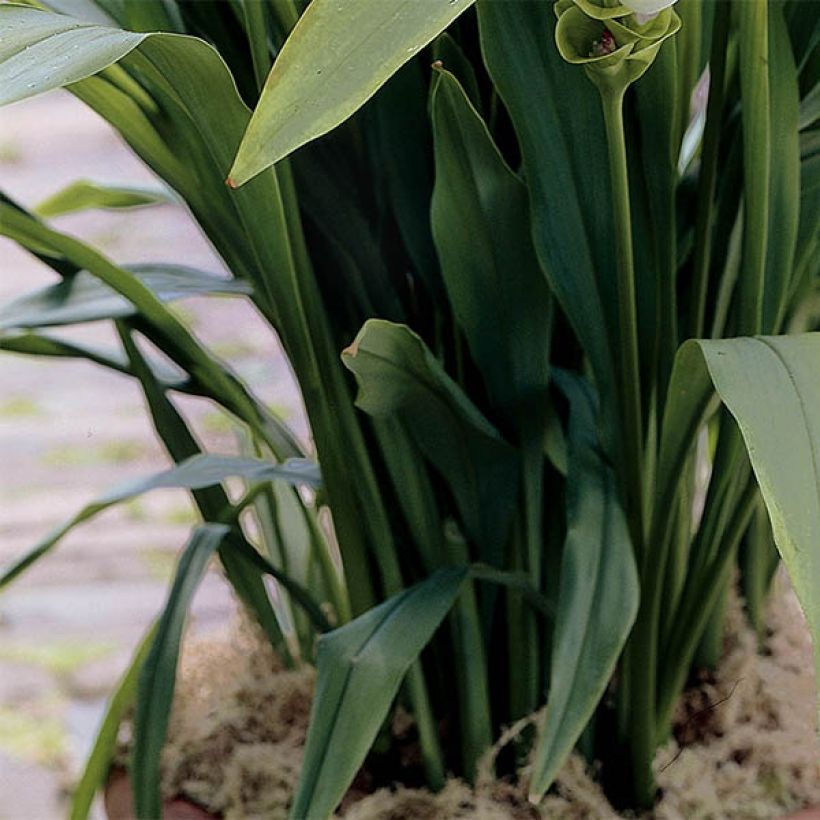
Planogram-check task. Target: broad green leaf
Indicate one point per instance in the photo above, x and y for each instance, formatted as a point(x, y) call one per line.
point(599, 590)
point(84, 195)
point(157, 678)
point(98, 764)
point(85, 298)
point(398, 134)
point(89, 11)
point(359, 670)
point(481, 224)
point(399, 376)
point(771, 387)
point(197, 472)
point(337, 56)
point(564, 156)
point(40, 51)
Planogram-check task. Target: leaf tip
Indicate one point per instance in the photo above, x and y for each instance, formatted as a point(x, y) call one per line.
point(231, 183)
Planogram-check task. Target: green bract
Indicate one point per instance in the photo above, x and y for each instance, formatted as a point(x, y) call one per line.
point(582, 25)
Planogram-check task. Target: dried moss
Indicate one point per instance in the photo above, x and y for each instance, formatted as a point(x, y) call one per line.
point(240, 720)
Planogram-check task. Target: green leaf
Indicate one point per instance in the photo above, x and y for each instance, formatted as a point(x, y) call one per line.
point(599, 590)
point(84, 195)
point(194, 473)
point(753, 39)
point(770, 386)
point(98, 764)
point(360, 668)
point(784, 181)
point(45, 344)
point(564, 156)
point(85, 298)
point(40, 51)
point(157, 678)
point(481, 225)
point(338, 55)
point(398, 375)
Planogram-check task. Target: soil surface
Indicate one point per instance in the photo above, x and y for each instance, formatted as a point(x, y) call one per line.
point(69, 431)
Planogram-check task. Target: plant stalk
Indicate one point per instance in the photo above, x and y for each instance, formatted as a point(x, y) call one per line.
point(630, 393)
point(640, 656)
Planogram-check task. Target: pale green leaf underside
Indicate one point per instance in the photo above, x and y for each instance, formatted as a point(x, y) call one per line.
point(195, 473)
point(771, 385)
point(338, 55)
point(40, 51)
point(83, 194)
point(85, 298)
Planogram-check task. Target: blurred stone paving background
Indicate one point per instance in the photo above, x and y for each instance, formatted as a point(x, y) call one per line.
point(69, 431)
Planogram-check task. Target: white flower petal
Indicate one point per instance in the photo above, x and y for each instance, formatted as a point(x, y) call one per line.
point(647, 8)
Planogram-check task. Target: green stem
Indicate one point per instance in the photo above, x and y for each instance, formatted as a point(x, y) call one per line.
point(630, 394)
point(256, 29)
point(754, 95)
point(708, 174)
point(640, 657)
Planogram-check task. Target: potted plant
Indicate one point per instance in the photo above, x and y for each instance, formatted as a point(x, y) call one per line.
point(545, 274)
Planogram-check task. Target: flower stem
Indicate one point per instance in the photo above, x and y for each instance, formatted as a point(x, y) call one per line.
point(640, 657)
point(630, 377)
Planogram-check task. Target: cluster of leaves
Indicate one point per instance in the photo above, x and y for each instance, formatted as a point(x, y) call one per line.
point(431, 191)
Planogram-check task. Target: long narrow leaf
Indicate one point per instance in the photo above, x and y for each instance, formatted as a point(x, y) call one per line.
point(481, 224)
point(84, 298)
point(99, 761)
point(338, 55)
point(157, 678)
point(360, 669)
point(83, 195)
point(199, 471)
point(599, 591)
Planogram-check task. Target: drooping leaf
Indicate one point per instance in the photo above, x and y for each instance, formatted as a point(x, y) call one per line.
point(481, 224)
point(398, 375)
point(158, 323)
point(337, 56)
point(157, 678)
point(599, 590)
point(40, 51)
point(84, 195)
point(174, 101)
point(98, 764)
point(46, 344)
point(360, 668)
point(770, 386)
point(199, 471)
point(84, 298)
